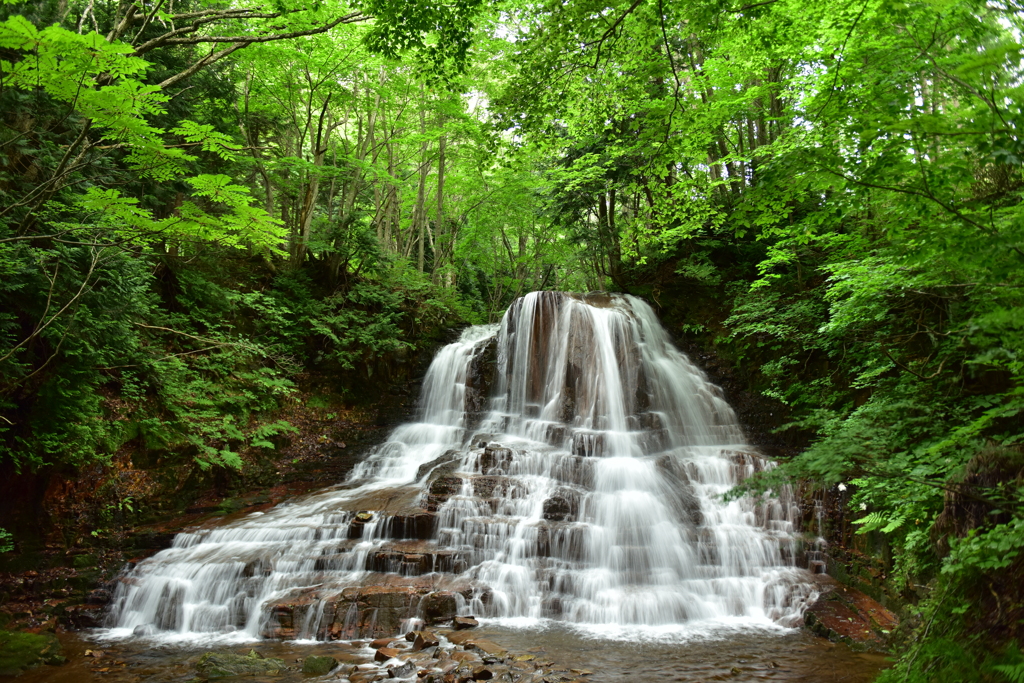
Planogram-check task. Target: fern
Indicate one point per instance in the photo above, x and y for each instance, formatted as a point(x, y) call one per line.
point(1013, 672)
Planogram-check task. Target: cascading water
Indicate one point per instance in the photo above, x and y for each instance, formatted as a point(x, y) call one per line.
point(583, 484)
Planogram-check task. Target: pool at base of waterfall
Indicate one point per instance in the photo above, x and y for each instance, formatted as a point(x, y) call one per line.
point(717, 652)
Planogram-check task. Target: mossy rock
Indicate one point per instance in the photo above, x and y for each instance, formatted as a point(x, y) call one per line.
point(86, 561)
point(20, 651)
point(86, 580)
point(215, 665)
point(318, 666)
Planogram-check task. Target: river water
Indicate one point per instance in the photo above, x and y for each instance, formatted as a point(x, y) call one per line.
point(564, 481)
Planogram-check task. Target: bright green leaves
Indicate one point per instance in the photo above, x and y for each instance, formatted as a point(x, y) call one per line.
point(439, 33)
point(237, 223)
point(98, 82)
point(224, 215)
point(81, 70)
point(207, 137)
point(18, 33)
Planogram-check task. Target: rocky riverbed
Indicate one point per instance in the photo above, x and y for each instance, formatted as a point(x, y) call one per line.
point(536, 653)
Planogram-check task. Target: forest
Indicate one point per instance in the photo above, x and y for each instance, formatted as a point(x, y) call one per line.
point(204, 205)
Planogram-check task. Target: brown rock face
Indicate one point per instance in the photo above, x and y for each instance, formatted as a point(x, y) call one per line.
point(479, 378)
point(461, 623)
point(424, 639)
point(439, 606)
point(358, 612)
point(385, 653)
point(843, 614)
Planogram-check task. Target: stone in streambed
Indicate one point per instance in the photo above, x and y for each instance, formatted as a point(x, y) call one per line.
point(382, 642)
point(466, 658)
point(214, 665)
point(461, 623)
point(402, 671)
point(487, 647)
point(319, 666)
point(385, 653)
point(423, 640)
point(144, 630)
point(460, 637)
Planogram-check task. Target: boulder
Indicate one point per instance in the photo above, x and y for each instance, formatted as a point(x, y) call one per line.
point(438, 606)
point(844, 614)
point(382, 642)
point(495, 459)
point(383, 654)
point(424, 639)
point(372, 611)
point(402, 671)
point(215, 665)
point(319, 665)
point(559, 507)
point(144, 630)
point(460, 638)
point(462, 623)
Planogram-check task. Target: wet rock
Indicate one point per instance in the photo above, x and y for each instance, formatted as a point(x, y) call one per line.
point(438, 606)
point(495, 459)
point(383, 654)
point(441, 489)
point(587, 444)
point(355, 527)
point(413, 525)
point(153, 540)
point(483, 487)
point(215, 665)
point(402, 671)
point(372, 611)
point(461, 623)
point(482, 673)
point(843, 614)
point(319, 666)
point(257, 568)
point(144, 630)
point(466, 657)
point(21, 651)
point(561, 506)
point(458, 638)
point(383, 642)
point(440, 466)
point(479, 378)
point(424, 639)
point(100, 596)
point(84, 616)
point(487, 647)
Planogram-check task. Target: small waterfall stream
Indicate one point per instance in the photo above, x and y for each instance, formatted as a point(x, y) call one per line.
point(567, 464)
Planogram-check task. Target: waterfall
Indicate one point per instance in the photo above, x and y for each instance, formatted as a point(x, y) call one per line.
point(568, 465)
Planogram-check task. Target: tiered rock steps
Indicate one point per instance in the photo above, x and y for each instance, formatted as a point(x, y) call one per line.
point(379, 607)
point(413, 566)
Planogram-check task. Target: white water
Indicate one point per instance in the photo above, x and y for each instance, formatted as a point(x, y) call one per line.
point(597, 501)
